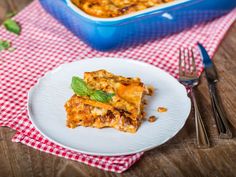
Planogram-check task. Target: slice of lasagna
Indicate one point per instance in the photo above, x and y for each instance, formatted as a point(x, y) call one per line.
point(109, 101)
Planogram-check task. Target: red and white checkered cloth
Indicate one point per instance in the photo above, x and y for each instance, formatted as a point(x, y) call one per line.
point(44, 44)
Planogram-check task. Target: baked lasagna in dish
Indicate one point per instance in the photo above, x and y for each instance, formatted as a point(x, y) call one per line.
point(114, 8)
point(103, 99)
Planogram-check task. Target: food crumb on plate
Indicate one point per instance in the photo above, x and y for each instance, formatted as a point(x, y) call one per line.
point(150, 90)
point(152, 119)
point(162, 109)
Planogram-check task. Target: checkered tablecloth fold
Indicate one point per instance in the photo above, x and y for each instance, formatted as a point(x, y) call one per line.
point(45, 44)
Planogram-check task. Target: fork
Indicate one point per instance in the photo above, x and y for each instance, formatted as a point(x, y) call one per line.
point(189, 78)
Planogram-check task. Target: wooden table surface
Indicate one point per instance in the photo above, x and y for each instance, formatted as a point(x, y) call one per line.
point(177, 157)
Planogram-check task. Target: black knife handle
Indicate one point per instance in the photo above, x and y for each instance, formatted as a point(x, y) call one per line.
point(220, 117)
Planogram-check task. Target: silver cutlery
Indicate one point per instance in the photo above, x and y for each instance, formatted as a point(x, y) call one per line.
point(212, 78)
point(188, 77)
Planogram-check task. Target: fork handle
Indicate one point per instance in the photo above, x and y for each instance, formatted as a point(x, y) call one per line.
point(220, 118)
point(202, 137)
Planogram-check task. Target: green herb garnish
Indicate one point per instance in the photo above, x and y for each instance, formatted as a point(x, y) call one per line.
point(4, 45)
point(80, 88)
point(12, 26)
point(101, 96)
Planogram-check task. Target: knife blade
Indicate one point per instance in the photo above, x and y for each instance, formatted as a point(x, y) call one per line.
point(212, 78)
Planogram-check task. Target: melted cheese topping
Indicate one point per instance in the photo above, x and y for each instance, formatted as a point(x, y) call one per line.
point(114, 8)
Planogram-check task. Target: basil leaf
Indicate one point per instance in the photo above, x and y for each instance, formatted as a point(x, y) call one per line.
point(12, 26)
point(101, 96)
point(4, 45)
point(80, 87)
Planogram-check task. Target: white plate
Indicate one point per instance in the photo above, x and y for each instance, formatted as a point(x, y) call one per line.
point(47, 98)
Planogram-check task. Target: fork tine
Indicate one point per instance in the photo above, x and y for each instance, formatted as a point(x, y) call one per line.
point(180, 59)
point(180, 62)
point(193, 61)
point(184, 59)
point(188, 60)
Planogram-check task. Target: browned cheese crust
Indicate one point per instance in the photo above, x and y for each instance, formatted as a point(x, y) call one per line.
point(114, 8)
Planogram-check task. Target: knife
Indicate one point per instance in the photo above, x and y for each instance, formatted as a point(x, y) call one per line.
point(212, 78)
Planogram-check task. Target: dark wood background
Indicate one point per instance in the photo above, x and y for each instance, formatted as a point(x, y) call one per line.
point(177, 157)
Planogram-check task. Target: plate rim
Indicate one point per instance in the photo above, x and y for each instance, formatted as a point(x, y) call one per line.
point(140, 150)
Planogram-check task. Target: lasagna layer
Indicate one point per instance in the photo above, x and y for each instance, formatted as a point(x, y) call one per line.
point(123, 112)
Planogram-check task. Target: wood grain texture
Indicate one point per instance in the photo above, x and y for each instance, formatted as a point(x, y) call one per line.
point(177, 157)
point(9, 6)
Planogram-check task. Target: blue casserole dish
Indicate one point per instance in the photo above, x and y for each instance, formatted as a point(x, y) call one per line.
point(128, 30)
